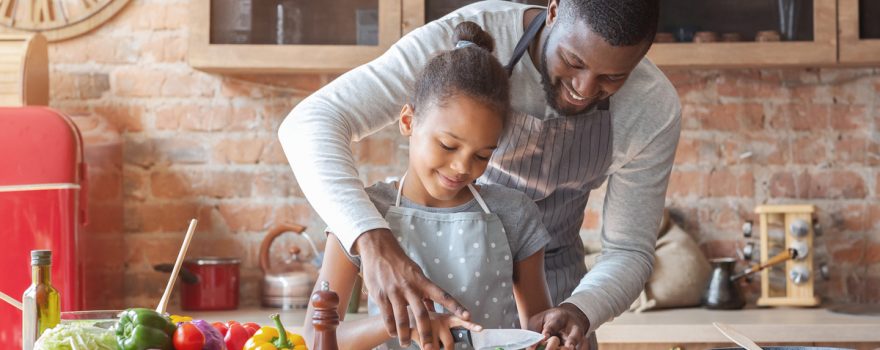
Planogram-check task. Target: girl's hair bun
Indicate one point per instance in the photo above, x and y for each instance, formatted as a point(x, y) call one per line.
point(470, 70)
point(472, 32)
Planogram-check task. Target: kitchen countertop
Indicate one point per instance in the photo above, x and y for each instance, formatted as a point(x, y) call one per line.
point(773, 325)
point(770, 325)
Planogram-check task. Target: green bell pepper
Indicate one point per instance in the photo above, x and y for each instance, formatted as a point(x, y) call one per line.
point(141, 329)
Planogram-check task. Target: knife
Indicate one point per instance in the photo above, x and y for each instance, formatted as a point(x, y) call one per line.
point(737, 337)
point(495, 339)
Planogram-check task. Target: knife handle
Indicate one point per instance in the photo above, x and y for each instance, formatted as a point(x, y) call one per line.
point(461, 335)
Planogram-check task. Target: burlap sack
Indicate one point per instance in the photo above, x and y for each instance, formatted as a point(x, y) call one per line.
point(681, 272)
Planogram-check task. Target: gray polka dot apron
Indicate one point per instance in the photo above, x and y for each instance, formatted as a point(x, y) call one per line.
point(466, 254)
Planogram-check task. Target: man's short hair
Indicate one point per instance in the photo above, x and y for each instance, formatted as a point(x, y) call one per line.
point(619, 22)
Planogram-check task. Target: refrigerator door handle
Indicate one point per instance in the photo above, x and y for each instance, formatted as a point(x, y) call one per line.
point(84, 194)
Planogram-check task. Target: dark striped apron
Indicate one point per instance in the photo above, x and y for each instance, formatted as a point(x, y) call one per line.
point(556, 161)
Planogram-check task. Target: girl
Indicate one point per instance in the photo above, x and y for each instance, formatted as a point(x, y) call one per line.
point(483, 245)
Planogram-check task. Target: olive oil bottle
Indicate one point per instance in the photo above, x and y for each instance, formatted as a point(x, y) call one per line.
point(41, 306)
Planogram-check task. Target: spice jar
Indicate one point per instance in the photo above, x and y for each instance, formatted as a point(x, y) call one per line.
point(664, 37)
point(731, 37)
point(705, 37)
point(767, 36)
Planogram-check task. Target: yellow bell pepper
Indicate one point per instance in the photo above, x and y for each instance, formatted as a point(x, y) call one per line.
point(270, 338)
point(175, 319)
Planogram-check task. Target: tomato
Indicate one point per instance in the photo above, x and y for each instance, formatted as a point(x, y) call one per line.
point(188, 337)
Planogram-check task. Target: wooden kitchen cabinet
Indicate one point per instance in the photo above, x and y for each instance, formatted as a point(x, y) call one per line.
point(338, 38)
point(286, 36)
point(859, 31)
point(814, 42)
point(419, 12)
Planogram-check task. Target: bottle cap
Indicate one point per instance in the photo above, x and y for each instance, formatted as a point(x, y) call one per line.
point(41, 257)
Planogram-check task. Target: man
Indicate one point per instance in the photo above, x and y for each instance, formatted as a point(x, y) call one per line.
point(587, 108)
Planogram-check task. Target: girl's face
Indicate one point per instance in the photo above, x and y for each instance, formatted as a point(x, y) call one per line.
point(449, 147)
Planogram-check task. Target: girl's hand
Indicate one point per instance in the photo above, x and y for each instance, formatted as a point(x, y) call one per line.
point(440, 328)
point(398, 286)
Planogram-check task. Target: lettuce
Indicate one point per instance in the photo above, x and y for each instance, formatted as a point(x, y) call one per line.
point(76, 336)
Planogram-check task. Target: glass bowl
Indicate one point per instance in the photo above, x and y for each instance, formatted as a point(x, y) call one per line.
point(98, 318)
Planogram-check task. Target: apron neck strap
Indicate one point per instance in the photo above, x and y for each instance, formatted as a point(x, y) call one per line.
point(523, 45)
point(479, 199)
point(400, 190)
point(470, 187)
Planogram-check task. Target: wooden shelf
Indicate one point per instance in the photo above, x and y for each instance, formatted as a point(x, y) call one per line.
point(853, 49)
point(821, 51)
point(229, 58)
point(397, 17)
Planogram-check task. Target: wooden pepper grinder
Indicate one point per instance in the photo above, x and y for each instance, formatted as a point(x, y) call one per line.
point(325, 318)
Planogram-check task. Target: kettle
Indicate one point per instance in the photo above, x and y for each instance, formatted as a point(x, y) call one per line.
point(291, 288)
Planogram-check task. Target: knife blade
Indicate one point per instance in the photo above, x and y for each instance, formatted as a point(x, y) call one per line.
point(494, 339)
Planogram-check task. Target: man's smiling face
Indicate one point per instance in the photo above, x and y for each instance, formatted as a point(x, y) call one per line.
point(579, 67)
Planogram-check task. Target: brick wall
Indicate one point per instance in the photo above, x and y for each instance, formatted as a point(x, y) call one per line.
point(774, 136)
point(167, 143)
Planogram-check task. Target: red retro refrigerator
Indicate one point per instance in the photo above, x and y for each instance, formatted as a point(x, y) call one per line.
point(42, 206)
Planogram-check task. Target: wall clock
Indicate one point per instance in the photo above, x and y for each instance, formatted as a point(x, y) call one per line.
point(57, 19)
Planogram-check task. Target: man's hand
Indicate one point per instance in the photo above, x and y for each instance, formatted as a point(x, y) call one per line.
point(395, 282)
point(552, 343)
point(565, 321)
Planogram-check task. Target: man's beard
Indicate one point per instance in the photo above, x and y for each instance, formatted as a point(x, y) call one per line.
point(553, 92)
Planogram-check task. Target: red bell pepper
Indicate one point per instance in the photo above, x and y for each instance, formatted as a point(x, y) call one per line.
point(252, 328)
point(220, 327)
point(235, 334)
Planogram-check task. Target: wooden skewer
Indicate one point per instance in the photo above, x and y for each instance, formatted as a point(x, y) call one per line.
point(12, 301)
point(163, 303)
